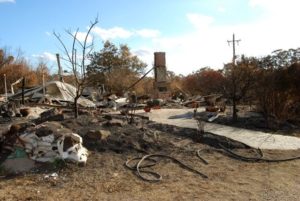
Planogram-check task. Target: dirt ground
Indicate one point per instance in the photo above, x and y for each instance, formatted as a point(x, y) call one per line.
point(106, 178)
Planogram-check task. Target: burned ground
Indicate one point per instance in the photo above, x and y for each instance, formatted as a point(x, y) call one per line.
point(106, 178)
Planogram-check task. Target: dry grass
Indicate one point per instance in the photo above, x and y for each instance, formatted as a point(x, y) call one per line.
point(105, 177)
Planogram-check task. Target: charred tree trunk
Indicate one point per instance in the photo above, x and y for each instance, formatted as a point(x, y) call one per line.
point(234, 110)
point(76, 107)
point(234, 95)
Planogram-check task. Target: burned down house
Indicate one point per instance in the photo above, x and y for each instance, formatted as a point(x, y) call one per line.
point(53, 92)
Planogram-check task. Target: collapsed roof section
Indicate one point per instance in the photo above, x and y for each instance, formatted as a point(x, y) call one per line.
point(54, 90)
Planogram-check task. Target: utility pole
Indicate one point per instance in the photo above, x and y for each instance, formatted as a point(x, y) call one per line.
point(233, 41)
point(234, 90)
point(59, 68)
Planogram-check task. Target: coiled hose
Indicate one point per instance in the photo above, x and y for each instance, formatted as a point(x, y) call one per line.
point(139, 167)
point(149, 161)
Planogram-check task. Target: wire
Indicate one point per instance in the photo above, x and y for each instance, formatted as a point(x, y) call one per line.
point(139, 79)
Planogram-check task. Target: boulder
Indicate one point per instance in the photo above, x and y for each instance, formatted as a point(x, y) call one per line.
point(98, 134)
point(115, 122)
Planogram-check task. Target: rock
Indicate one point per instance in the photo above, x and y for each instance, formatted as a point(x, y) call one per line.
point(15, 128)
point(24, 112)
point(31, 112)
point(43, 131)
point(98, 134)
point(18, 165)
point(211, 109)
point(50, 115)
point(115, 122)
point(108, 117)
point(94, 121)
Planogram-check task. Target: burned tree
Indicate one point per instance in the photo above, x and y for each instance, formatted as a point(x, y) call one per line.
point(239, 80)
point(78, 59)
point(277, 90)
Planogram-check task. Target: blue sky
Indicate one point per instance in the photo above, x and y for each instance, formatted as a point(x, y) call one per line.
point(193, 33)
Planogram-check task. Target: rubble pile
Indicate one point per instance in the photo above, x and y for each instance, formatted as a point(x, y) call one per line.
point(49, 141)
point(45, 142)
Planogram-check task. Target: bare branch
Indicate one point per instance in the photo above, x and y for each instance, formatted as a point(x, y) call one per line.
point(64, 46)
point(85, 44)
point(73, 36)
point(78, 69)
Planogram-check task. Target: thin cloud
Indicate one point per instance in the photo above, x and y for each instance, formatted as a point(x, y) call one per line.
point(200, 20)
point(221, 9)
point(142, 52)
point(81, 37)
point(113, 33)
point(7, 1)
point(206, 45)
point(148, 33)
point(145, 54)
point(45, 55)
point(122, 33)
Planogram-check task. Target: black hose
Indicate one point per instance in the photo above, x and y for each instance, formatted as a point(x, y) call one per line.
point(139, 167)
point(255, 159)
point(199, 156)
point(140, 162)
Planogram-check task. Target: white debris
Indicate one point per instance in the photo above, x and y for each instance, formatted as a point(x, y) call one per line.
point(53, 176)
point(211, 119)
point(55, 91)
point(76, 152)
point(54, 143)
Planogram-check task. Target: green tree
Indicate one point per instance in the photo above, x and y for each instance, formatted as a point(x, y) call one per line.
point(115, 67)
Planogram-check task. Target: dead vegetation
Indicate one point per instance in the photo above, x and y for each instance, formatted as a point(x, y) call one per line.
point(108, 152)
point(111, 141)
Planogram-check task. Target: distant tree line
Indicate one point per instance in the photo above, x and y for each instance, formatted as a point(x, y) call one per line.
point(271, 83)
point(17, 67)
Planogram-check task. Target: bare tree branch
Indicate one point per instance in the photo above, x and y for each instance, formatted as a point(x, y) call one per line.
point(62, 43)
point(78, 68)
point(73, 36)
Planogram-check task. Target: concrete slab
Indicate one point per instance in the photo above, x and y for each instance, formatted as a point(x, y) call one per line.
point(256, 139)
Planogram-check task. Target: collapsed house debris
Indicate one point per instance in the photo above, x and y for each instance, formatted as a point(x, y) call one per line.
point(45, 142)
point(55, 92)
point(49, 141)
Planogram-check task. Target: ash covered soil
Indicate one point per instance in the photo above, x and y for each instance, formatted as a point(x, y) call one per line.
point(105, 177)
